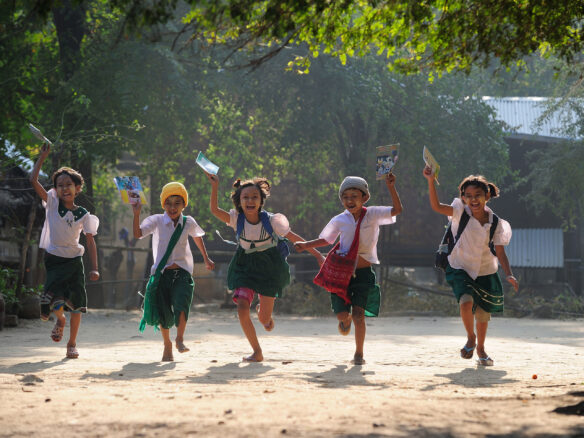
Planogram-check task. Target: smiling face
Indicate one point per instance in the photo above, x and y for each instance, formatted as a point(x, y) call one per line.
point(476, 198)
point(353, 200)
point(251, 200)
point(66, 189)
point(174, 206)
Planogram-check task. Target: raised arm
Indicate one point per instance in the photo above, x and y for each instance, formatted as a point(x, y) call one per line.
point(219, 213)
point(136, 208)
point(390, 183)
point(444, 209)
point(34, 176)
point(292, 236)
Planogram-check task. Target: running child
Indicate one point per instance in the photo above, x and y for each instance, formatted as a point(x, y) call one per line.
point(363, 292)
point(258, 265)
point(170, 303)
point(474, 261)
point(64, 288)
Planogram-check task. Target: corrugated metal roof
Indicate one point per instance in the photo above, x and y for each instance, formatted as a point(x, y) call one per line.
point(522, 115)
point(536, 248)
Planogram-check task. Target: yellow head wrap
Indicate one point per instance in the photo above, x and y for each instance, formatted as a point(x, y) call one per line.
point(174, 189)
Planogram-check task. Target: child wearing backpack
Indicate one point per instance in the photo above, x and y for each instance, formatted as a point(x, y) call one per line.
point(474, 261)
point(259, 264)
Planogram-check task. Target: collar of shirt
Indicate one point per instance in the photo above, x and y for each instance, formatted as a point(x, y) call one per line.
point(166, 220)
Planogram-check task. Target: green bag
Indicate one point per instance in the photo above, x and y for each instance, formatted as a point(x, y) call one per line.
point(150, 311)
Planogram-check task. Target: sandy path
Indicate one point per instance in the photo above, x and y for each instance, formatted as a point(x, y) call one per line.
point(414, 382)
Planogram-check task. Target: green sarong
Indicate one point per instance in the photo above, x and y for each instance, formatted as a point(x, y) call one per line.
point(65, 284)
point(362, 291)
point(486, 290)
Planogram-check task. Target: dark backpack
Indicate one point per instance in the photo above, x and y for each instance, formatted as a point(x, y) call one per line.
point(449, 241)
point(281, 242)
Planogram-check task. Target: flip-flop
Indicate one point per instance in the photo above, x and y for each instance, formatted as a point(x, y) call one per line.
point(358, 361)
point(181, 347)
point(72, 352)
point(485, 361)
point(250, 359)
point(344, 330)
point(57, 333)
point(464, 352)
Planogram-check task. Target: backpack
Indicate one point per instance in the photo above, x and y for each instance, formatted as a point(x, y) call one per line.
point(279, 241)
point(449, 241)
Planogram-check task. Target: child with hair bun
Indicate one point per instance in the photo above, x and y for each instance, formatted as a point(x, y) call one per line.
point(474, 261)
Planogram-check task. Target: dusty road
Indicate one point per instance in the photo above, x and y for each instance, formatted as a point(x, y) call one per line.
point(414, 382)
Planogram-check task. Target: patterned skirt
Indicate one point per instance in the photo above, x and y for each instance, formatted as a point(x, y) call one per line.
point(65, 285)
point(486, 290)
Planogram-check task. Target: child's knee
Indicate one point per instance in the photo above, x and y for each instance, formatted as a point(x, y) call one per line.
point(242, 305)
point(482, 315)
point(358, 315)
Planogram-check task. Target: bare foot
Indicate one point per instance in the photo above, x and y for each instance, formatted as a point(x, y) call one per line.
point(180, 346)
point(167, 353)
point(358, 359)
point(270, 325)
point(254, 357)
point(345, 326)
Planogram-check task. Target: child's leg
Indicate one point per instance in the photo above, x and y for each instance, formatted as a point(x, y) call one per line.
point(167, 353)
point(466, 303)
point(57, 332)
point(360, 329)
point(180, 332)
point(74, 323)
point(342, 310)
point(265, 309)
point(249, 330)
point(482, 321)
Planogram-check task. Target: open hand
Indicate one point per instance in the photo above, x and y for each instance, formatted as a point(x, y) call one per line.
point(513, 281)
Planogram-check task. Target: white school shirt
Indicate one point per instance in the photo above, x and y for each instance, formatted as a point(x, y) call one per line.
point(62, 228)
point(278, 221)
point(161, 227)
point(345, 225)
point(472, 252)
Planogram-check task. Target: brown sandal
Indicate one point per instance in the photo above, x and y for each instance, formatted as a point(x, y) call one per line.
point(57, 333)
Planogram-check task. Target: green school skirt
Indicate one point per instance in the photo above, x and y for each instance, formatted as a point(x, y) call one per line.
point(486, 290)
point(363, 291)
point(265, 272)
point(173, 296)
point(65, 285)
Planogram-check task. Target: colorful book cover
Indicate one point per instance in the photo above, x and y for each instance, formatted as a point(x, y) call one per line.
point(431, 162)
point(386, 159)
point(38, 134)
point(207, 165)
point(130, 189)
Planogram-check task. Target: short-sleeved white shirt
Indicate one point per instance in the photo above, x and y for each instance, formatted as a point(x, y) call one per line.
point(256, 232)
point(472, 252)
point(62, 228)
point(345, 225)
point(161, 227)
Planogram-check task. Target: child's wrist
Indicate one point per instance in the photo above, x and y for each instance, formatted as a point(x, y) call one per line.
point(511, 276)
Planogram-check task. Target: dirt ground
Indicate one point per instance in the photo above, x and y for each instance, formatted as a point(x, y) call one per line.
point(414, 382)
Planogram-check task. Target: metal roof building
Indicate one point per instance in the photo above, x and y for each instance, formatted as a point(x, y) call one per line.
point(523, 115)
point(536, 248)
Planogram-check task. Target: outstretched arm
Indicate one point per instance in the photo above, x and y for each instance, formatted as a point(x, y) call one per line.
point(296, 238)
point(92, 251)
point(209, 264)
point(390, 183)
point(219, 213)
point(444, 209)
point(34, 176)
point(504, 261)
point(316, 243)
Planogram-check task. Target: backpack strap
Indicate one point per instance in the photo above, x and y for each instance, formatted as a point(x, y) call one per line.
point(240, 224)
point(492, 233)
point(464, 218)
point(265, 218)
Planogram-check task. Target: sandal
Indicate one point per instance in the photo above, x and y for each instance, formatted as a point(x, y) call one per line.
point(485, 361)
point(57, 333)
point(72, 352)
point(467, 352)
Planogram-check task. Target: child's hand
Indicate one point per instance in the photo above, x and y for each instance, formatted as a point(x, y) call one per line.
point(137, 207)
point(94, 275)
point(300, 246)
point(213, 179)
point(390, 180)
point(513, 281)
point(320, 260)
point(209, 264)
point(45, 149)
point(428, 174)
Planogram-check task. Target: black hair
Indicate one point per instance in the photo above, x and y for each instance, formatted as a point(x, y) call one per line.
point(73, 174)
point(262, 185)
point(481, 182)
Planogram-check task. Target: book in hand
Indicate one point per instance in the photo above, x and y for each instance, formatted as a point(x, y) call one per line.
point(431, 162)
point(207, 165)
point(38, 134)
point(386, 159)
point(130, 189)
